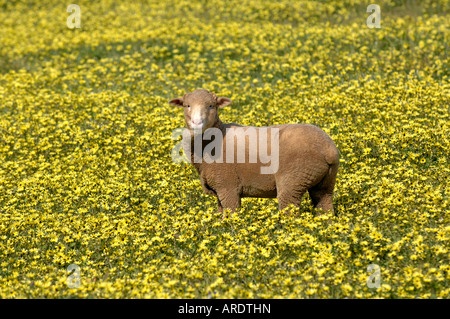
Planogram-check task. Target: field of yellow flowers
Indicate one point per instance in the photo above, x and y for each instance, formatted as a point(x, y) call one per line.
point(86, 175)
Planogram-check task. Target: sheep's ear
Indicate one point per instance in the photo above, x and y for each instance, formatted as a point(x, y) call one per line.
point(223, 101)
point(176, 102)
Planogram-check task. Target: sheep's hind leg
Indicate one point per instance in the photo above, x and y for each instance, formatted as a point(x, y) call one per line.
point(321, 199)
point(219, 206)
point(322, 194)
point(285, 198)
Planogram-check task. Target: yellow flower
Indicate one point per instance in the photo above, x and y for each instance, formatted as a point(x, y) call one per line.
point(87, 178)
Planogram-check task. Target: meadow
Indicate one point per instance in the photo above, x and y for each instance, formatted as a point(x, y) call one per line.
point(87, 178)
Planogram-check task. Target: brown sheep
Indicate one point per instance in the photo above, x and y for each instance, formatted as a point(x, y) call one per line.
point(307, 159)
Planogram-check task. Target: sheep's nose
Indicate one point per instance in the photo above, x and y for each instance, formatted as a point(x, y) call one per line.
point(196, 122)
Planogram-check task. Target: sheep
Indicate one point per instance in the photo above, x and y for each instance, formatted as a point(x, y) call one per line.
point(307, 158)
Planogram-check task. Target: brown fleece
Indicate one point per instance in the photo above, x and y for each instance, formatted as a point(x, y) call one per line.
point(308, 160)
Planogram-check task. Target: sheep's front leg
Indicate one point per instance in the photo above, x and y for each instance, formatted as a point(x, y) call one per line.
point(228, 200)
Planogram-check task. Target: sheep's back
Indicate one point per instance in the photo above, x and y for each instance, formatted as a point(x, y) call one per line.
point(307, 141)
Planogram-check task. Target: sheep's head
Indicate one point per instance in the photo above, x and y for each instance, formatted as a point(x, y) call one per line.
point(200, 109)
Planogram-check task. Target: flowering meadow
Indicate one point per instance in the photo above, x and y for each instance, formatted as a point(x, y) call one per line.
point(87, 177)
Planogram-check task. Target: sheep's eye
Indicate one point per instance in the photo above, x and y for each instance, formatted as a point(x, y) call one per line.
point(188, 106)
point(210, 106)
